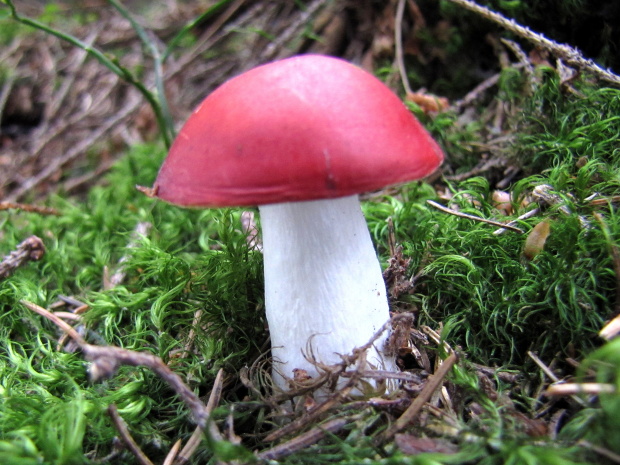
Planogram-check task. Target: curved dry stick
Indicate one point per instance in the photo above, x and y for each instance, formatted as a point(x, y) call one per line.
point(106, 360)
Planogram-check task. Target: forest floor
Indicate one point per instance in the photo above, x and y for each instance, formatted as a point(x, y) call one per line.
point(507, 258)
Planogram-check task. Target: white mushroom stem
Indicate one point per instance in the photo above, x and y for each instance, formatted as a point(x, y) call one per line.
point(324, 288)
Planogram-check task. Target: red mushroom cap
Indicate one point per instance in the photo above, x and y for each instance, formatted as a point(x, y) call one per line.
point(308, 127)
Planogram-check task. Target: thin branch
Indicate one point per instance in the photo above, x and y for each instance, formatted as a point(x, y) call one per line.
point(525, 216)
point(551, 375)
point(600, 450)
point(80, 54)
point(107, 359)
point(473, 217)
point(31, 249)
point(7, 87)
point(570, 55)
point(316, 412)
point(304, 440)
point(28, 208)
point(301, 22)
point(434, 382)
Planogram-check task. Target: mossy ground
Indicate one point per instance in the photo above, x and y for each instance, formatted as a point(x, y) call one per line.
point(192, 295)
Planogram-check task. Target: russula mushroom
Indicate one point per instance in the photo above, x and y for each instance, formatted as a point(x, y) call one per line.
point(301, 138)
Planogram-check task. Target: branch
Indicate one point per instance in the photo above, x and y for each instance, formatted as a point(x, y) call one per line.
point(570, 55)
point(30, 249)
point(107, 359)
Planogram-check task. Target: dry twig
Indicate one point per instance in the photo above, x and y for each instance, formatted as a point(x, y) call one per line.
point(74, 152)
point(317, 411)
point(567, 53)
point(304, 440)
point(473, 217)
point(414, 409)
point(106, 360)
point(28, 208)
point(31, 249)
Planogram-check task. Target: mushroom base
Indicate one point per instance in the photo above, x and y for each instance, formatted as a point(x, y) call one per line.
point(324, 290)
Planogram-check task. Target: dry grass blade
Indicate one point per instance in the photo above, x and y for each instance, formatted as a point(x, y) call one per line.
point(174, 450)
point(571, 389)
point(122, 429)
point(198, 435)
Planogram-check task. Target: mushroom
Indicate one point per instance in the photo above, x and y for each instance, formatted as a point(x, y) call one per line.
point(301, 138)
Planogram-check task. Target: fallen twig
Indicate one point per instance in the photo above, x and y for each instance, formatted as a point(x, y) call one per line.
point(106, 360)
point(525, 216)
point(551, 375)
point(28, 208)
point(567, 53)
point(304, 440)
point(600, 450)
point(301, 22)
point(434, 382)
point(317, 411)
point(472, 217)
point(75, 151)
point(31, 249)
